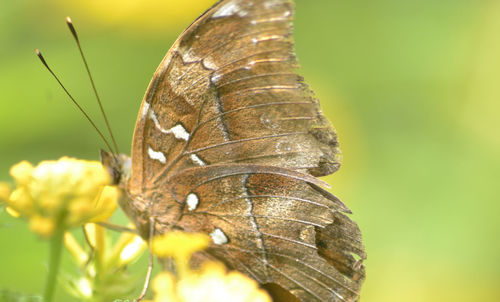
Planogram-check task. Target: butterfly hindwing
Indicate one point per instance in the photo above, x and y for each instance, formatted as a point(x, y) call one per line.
point(268, 221)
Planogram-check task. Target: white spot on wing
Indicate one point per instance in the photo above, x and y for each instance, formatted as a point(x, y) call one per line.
point(271, 3)
point(215, 78)
point(229, 9)
point(197, 160)
point(157, 155)
point(178, 131)
point(145, 109)
point(153, 117)
point(192, 201)
point(219, 237)
point(209, 64)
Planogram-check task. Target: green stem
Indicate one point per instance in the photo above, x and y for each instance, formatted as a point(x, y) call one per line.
point(55, 259)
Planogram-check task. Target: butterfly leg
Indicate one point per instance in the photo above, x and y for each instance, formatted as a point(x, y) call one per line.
point(150, 266)
point(89, 243)
point(117, 228)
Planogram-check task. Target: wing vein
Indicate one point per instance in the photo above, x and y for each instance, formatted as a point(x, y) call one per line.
point(243, 140)
point(256, 77)
point(279, 271)
point(259, 216)
point(268, 196)
point(328, 276)
point(253, 221)
point(221, 46)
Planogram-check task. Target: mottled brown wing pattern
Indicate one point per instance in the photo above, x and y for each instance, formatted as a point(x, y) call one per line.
point(271, 222)
point(229, 91)
point(227, 142)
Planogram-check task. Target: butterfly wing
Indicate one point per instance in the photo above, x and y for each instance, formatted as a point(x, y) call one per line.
point(229, 138)
point(227, 92)
point(274, 224)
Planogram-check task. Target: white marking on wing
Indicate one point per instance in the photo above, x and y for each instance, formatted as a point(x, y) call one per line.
point(219, 237)
point(215, 77)
point(197, 160)
point(157, 155)
point(229, 9)
point(178, 131)
point(192, 201)
point(271, 3)
point(253, 221)
point(209, 64)
point(145, 109)
point(268, 38)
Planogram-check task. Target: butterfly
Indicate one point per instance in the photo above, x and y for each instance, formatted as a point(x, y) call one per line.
point(229, 141)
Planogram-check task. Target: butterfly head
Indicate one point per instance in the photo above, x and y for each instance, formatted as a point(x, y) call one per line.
point(118, 165)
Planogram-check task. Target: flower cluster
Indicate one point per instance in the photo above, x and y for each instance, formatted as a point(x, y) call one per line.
point(61, 194)
point(211, 283)
point(58, 195)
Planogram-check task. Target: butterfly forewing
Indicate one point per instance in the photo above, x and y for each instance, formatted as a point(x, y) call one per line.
point(228, 90)
point(227, 142)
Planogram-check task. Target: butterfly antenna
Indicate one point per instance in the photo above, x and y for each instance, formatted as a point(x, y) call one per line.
point(75, 36)
point(40, 56)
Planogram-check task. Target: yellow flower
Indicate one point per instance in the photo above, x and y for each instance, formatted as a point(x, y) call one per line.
point(22, 172)
point(177, 243)
point(103, 273)
point(214, 283)
point(42, 225)
point(179, 246)
point(61, 194)
point(4, 191)
point(164, 286)
point(211, 283)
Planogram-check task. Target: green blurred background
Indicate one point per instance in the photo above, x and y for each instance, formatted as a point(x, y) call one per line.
point(413, 88)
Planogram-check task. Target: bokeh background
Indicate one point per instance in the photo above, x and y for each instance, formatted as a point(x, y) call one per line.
point(413, 88)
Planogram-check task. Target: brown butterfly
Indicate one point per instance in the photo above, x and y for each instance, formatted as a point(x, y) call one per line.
point(229, 141)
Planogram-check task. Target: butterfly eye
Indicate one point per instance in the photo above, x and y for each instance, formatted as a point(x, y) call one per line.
point(112, 164)
point(115, 175)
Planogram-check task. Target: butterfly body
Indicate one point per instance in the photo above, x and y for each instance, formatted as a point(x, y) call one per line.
point(229, 141)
